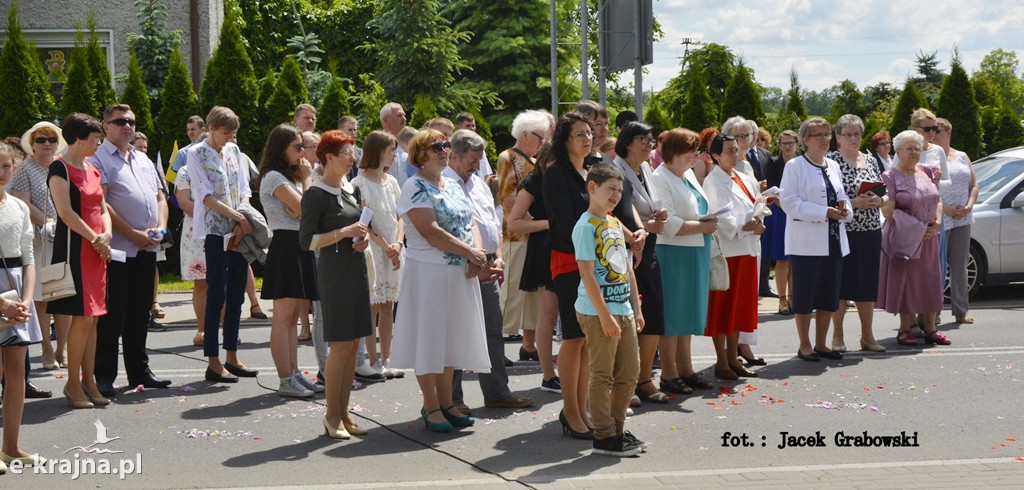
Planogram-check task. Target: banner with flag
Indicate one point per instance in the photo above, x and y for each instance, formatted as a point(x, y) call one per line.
point(171, 175)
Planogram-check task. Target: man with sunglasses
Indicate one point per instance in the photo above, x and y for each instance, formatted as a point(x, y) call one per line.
point(138, 211)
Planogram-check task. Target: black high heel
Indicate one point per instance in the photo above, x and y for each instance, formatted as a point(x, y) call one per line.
point(568, 430)
point(754, 361)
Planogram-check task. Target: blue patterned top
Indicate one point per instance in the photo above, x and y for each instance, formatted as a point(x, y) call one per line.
point(453, 213)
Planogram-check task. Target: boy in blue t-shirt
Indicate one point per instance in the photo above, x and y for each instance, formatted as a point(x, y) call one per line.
point(605, 308)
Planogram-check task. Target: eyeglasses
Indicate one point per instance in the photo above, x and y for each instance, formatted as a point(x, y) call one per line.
point(584, 134)
point(645, 140)
point(912, 149)
point(44, 139)
point(819, 135)
point(885, 143)
point(441, 147)
point(539, 136)
point(851, 135)
point(742, 136)
point(787, 143)
point(123, 121)
point(929, 129)
point(298, 146)
point(349, 153)
point(309, 146)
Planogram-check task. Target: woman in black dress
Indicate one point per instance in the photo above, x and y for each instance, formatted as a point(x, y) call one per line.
point(330, 222)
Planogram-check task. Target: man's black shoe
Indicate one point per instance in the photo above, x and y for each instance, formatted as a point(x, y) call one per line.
point(106, 387)
point(150, 381)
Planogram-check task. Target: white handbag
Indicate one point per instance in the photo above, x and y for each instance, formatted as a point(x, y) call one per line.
point(57, 280)
point(719, 269)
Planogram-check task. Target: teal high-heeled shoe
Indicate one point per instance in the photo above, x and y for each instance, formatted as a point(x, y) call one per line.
point(435, 426)
point(464, 421)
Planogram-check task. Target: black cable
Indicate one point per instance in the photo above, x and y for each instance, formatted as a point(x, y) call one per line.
point(378, 424)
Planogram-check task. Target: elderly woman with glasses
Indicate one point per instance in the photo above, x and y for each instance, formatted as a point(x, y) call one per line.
point(910, 281)
point(816, 209)
point(640, 209)
point(880, 148)
point(435, 334)
point(864, 233)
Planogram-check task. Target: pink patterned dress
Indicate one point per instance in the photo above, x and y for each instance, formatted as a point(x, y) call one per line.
point(911, 286)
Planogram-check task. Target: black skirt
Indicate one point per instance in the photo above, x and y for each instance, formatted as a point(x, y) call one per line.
point(537, 264)
point(860, 267)
point(816, 280)
point(648, 283)
point(290, 272)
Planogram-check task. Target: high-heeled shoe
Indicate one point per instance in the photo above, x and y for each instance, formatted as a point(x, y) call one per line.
point(34, 460)
point(457, 421)
point(100, 401)
point(754, 361)
point(335, 432)
point(354, 429)
point(872, 347)
point(435, 426)
point(569, 431)
point(77, 403)
point(743, 372)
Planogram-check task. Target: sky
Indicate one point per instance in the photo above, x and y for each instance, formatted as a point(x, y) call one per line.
point(866, 41)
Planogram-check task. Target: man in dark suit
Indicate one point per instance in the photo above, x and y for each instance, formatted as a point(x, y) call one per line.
point(759, 158)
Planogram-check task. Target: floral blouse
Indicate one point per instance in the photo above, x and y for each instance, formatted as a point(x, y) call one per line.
point(452, 211)
point(863, 219)
point(222, 176)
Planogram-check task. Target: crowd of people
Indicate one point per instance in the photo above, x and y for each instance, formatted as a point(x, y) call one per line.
point(413, 256)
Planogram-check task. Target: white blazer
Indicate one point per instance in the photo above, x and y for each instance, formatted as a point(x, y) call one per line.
point(643, 201)
point(805, 203)
point(681, 203)
point(721, 190)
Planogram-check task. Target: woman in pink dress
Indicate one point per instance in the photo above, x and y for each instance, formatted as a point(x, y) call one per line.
point(910, 281)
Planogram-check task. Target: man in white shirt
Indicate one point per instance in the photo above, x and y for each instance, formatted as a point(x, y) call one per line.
point(392, 118)
point(467, 147)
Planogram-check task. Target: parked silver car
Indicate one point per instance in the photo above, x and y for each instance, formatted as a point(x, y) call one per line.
point(997, 236)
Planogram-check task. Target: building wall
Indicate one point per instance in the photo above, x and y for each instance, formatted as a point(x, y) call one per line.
point(51, 22)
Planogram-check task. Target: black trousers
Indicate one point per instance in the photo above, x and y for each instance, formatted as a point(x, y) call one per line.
point(129, 301)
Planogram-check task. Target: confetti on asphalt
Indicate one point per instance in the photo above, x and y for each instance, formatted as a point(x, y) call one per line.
point(187, 389)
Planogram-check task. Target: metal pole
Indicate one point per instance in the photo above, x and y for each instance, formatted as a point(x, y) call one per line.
point(584, 34)
point(638, 69)
point(554, 59)
point(602, 74)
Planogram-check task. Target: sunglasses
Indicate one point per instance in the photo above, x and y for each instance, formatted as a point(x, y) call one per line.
point(46, 139)
point(441, 147)
point(929, 129)
point(123, 121)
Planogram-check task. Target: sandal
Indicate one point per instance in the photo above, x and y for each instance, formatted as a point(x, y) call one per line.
point(198, 340)
point(785, 308)
point(934, 337)
point(675, 385)
point(696, 382)
point(966, 320)
point(158, 312)
point(656, 397)
point(906, 338)
point(256, 312)
point(305, 338)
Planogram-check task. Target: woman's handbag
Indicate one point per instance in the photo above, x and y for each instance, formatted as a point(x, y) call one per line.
point(57, 281)
point(719, 270)
point(12, 295)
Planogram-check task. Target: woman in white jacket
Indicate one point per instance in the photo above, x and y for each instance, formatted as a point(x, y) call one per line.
point(735, 310)
point(816, 208)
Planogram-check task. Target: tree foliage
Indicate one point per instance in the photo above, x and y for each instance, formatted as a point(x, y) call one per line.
point(656, 116)
point(231, 82)
point(80, 85)
point(1009, 132)
point(910, 99)
point(103, 86)
point(742, 96)
point(794, 102)
point(179, 102)
point(136, 95)
point(154, 46)
point(717, 66)
point(26, 91)
point(849, 100)
point(1000, 67)
point(334, 105)
point(289, 91)
point(958, 105)
point(422, 111)
point(700, 111)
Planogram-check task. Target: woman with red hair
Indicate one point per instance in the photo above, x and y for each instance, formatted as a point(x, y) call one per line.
point(330, 223)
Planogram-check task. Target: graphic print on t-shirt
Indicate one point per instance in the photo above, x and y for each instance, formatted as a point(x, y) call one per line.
point(613, 256)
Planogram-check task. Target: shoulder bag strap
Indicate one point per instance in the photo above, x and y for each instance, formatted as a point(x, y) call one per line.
point(68, 250)
point(8, 271)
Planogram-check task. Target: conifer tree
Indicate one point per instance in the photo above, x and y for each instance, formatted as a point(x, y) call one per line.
point(179, 102)
point(655, 116)
point(795, 104)
point(742, 97)
point(333, 106)
point(1010, 133)
point(957, 103)
point(289, 91)
point(423, 111)
point(26, 96)
point(230, 82)
point(103, 88)
point(79, 87)
point(910, 99)
point(699, 111)
point(137, 96)
point(483, 128)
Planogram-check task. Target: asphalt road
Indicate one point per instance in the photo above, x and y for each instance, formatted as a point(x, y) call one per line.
point(960, 403)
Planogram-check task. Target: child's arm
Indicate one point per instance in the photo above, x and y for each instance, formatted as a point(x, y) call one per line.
point(634, 298)
point(609, 325)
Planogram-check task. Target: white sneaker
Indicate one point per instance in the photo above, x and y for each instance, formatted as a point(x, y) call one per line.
point(291, 387)
point(307, 384)
point(396, 373)
point(367, 374)
point(379, 367)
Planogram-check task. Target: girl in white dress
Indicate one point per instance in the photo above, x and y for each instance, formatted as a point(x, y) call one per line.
point(380, 193)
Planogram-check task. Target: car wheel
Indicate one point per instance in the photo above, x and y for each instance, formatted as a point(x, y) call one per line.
point(975, 274)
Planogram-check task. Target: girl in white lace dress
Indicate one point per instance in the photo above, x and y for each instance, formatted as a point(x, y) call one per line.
point(380, 193)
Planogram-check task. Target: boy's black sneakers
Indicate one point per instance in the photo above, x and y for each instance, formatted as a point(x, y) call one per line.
point(615, 446)
point(629, 440)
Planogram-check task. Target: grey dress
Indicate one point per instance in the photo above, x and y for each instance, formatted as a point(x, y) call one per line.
point(341, 276)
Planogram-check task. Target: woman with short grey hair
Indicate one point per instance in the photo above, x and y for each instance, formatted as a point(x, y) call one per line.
point(860, 268)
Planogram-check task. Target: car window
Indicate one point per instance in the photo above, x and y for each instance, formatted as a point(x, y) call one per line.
point(995, 173)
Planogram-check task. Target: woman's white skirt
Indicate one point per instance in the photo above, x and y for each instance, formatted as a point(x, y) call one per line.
point(440, 320)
